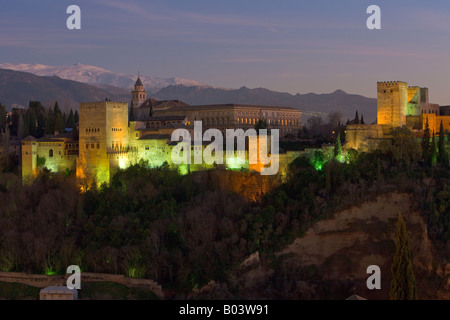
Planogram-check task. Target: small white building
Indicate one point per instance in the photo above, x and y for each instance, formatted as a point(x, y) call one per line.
point(58, 293)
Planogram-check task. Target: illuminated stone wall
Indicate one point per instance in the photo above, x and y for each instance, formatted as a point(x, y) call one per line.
point(286, 158)
point(55, 158)
point(28, 161)
point(53, 154)
point(103, 131)
point(414, 122)
point(155, 151)
point(414, 101)
point(392, 99)
point(365, 137)
point(434, 122)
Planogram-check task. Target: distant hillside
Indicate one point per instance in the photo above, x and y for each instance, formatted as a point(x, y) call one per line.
point(18, 88)
point(310, 103)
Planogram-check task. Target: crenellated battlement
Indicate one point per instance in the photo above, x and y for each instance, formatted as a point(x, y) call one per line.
point(389, 84)
point(103, 104)
point(391, 102)
point(413, 93)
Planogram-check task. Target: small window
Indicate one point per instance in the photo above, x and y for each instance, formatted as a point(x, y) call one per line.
point(50, 153)
point(98, 145)
point(87, 145)
point(92, 145)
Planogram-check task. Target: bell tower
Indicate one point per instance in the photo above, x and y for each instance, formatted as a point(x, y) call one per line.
point(138, 95)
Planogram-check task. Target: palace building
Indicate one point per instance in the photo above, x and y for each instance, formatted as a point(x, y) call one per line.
point(109, 139)
point(398, 105)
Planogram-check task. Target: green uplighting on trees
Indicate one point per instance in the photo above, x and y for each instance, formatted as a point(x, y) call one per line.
point(318, 165)
point(49, 271)
point(318, 161)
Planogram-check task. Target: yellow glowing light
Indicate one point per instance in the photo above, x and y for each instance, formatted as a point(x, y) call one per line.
point(233, 163)
point(122, 164)
point(183, 169)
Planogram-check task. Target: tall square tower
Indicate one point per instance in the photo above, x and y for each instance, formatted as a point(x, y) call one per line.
point(103, 131)
point(392, 101)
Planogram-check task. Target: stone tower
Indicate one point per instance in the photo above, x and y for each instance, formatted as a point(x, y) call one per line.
point(138, 95)
point(392, 102)
point(103, 141)
point(29, 159)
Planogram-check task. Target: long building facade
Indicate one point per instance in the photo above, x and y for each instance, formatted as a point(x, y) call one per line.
point(109, 140)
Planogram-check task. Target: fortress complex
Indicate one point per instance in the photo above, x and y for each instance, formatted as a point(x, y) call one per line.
point(112, 136)
point(397, 105)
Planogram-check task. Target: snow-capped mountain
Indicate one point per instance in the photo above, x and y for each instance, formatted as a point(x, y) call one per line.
point(95, 76)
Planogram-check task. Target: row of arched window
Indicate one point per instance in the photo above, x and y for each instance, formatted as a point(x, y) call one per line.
point(92, 145)
point(283, 122)
point(50, 153)
point(141, 96)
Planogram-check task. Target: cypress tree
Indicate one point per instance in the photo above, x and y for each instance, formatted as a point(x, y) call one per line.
point(30, 122)
point(50, 125)
point(3, 115)
point(426, 149)
point(56, 109)
point(442, 155)
point(22, 130)
point(433, 153)
point(338, 148)
point(76, 117)
point(75, 135)
point(356, 117)
point(59, 123)
point(131, 114)
point(362, 119)
point(70, 120)
point(41, 124)
point(403, 283)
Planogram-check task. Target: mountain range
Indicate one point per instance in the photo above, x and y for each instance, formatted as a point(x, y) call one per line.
point(18, 88)
point(70, 85)
point(98, 76)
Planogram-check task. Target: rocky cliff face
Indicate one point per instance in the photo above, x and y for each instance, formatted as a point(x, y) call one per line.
point(331, 259)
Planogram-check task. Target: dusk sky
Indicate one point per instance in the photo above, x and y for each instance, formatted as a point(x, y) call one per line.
point(290, 46)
